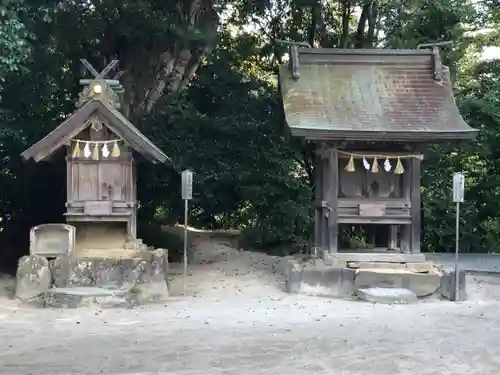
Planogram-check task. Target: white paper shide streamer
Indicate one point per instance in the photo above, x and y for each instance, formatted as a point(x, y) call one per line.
point(86, 151)
point(387, 165)
point(366, 164)
point(105, 152)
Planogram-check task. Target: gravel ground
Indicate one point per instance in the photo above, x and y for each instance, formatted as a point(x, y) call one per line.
point(236, 320)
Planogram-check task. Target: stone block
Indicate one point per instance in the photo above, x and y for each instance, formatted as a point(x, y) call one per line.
point(293, 276)
point(151, 282)
point(110, 273)
point(33, 277)
point(424, 267)
point(319, 280)
point(327, 281)
point(145, 277)
point(68, 271)
point(387, 295)
point(421, 284)
point(378, 265)
point(448, 285)
point(93, 272)
point(114, 273)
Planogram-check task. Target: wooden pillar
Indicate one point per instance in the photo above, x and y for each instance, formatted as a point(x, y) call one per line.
point(415, 206)
point(132, 223)
point(333, 198)
point(318, 198)
point(325, 181)
point(393, 237)
point(406, 229)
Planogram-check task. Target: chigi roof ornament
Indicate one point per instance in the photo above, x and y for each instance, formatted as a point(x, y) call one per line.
point(100, 86)
point(294, 55)
point(436, 58)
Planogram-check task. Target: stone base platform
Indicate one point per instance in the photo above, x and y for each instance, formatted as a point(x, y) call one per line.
point(345, 280)
point(69, 281)
point(386, 257)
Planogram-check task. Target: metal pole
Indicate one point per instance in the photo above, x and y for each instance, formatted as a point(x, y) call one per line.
point(457, 230)
point(185, 244)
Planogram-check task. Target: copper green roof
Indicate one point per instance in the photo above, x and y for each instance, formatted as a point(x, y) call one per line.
point(370, 94)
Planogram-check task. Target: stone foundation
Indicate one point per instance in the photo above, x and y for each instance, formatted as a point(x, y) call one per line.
point(345, 280)
point(142, 279)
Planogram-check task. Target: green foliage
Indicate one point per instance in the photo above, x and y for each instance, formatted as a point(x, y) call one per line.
point(14, 47)
point(218, 108)
point(225, 129)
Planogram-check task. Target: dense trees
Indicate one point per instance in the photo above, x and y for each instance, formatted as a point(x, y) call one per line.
point(200, 79)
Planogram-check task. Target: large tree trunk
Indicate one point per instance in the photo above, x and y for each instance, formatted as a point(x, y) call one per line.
point(167, 63)
point(373, 20)
point(360, 32)
point(346, 16)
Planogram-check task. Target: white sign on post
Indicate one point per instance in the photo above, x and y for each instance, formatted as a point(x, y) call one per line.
point(458, 197)
point(187, 185)
point(458, 187)
point(187, 195)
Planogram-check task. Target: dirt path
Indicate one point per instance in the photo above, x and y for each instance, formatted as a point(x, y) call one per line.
point(237, 321)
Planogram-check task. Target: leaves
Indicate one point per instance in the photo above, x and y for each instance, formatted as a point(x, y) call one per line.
point(14, 46)
point(201, 82)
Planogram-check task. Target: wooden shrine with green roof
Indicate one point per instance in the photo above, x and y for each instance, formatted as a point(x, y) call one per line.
point(371, 113)
point(102, 148)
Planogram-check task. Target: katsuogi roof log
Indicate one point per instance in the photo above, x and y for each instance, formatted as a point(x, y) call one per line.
point(371, 94)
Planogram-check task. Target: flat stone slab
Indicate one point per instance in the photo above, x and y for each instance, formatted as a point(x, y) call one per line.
point(387, 295)
point(425, 267)
point(422, 284)
point(86, 296)
point(90, 291)
point(373, 257)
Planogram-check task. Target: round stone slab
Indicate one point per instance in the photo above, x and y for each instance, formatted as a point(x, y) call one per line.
point(387, 295)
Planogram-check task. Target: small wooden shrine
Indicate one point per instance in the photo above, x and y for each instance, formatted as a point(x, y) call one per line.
point(370, 113)
point(102, 148)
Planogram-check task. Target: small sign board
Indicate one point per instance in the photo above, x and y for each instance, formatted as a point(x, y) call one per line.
point(458, 187)
point(98, 208)
point(187, 185)
point(372, 209)
point(52, 240)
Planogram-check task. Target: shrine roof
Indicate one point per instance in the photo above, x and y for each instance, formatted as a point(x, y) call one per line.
point(370, 94)
point(78, 121)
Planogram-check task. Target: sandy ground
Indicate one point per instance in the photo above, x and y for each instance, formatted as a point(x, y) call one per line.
point(236, 320)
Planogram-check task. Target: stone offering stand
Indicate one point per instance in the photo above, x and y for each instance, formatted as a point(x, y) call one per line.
point(72, 282)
